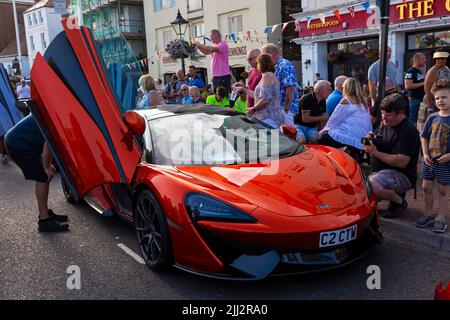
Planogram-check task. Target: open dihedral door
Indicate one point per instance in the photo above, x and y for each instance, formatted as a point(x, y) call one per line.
point(76, 110)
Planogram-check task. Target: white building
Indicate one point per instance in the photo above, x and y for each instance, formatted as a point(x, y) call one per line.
point(42, 25)
point(230, 17)
point(349, 45)
point(9, 53)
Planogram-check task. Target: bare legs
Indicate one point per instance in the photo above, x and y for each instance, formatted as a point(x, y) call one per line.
point(42, 190)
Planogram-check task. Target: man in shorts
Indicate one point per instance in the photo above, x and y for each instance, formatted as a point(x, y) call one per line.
point(27, 148)
point(394, 155)
point(312, 111)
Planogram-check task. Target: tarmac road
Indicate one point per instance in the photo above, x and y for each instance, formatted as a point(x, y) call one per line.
point(34, 266)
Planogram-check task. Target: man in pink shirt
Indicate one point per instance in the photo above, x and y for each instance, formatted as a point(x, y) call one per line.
point(255, 76)
point(219, 64)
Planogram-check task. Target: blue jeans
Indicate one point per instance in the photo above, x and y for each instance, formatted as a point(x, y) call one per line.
point(306, 132)
point(414, 105)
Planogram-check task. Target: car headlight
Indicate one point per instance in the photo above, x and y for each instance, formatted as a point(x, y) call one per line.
point(367, 184)
point(201, 206)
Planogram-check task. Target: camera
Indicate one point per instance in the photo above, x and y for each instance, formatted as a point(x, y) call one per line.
point(375, 138)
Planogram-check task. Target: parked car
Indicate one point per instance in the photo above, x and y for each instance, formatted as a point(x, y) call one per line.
point(228, 213)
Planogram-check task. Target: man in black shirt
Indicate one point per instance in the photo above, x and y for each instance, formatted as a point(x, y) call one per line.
point(312, 110)
point(394, 156)
point(414, 82)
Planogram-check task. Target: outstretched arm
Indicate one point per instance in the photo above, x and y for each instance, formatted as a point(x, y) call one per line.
point(206, 49)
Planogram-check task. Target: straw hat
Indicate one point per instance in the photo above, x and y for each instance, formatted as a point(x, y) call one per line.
point(438, 55)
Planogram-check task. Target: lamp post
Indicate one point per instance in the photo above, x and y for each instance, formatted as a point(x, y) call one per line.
point(384, 6)
point(180, 25)
point(16, 25)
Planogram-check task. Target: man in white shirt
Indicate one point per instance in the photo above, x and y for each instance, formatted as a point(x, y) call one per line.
point(23, 90)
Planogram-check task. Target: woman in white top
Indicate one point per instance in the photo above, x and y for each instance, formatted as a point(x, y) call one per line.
point(350, 120)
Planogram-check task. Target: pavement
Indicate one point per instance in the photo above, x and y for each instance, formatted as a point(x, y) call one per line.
point(404, 227)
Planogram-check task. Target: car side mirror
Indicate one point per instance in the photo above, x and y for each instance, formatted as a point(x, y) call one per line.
point(289, 131)
point(136, 126)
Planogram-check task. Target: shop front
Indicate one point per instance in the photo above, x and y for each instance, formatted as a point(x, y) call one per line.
point(352, 58)
point(427, 42)
point(349, 40)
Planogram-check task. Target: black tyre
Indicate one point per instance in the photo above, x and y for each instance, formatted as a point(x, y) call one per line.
point(67, 192)
point(152, 232)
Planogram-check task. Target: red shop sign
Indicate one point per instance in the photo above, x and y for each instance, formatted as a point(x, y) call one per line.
point(401, 12)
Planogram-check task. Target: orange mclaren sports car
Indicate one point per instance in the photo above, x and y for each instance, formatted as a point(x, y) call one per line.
point(208, 189)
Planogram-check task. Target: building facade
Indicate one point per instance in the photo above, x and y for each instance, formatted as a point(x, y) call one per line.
point(112, 22)
point(8, 45)
point(42, 25)
point(244, 19)
point(348, 42)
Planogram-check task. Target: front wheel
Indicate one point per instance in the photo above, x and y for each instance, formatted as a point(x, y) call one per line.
point(152, 232)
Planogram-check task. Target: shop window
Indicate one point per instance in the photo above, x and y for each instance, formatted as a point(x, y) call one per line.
point(442, 38)
point(429, 40)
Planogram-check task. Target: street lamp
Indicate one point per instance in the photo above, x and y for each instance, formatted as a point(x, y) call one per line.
point(180, 25)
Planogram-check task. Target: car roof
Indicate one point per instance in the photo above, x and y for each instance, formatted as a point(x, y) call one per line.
point(168, 110)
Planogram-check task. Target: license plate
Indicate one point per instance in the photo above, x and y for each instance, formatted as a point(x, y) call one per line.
point(337, 237)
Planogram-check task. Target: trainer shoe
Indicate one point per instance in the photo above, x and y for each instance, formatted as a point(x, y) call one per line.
point(425, 220)
point(398, 212)
point(440, 226)
point(50, 225)
point(57, 217)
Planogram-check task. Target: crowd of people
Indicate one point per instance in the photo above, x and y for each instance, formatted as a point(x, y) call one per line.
point(348, 115)
point(388, 133)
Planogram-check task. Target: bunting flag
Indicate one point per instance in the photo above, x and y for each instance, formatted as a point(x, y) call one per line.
point(284, 26)
point(308, 19)
point(338, 15)
point(352, 11)
point(297, 25)
point(266, 30)
point(233, 36)
point(322, 17)
point(249, 35)
point(274, 28)
point(256, 35)
point(366, 6)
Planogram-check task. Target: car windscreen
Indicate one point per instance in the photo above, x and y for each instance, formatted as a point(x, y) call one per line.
point(213, 139)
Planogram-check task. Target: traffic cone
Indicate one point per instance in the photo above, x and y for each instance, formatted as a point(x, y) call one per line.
point(442, 291)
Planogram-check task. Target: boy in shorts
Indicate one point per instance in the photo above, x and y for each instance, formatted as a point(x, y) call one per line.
point(436, 158)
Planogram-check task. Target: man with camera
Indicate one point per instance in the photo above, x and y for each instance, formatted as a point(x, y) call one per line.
point(394, 150)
